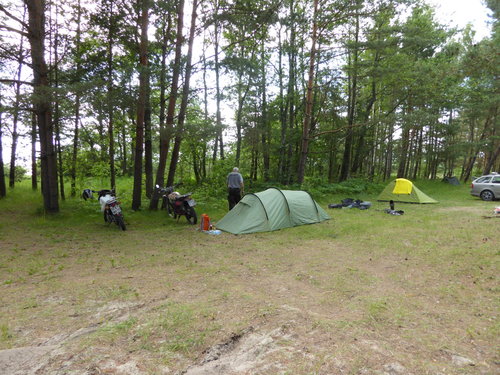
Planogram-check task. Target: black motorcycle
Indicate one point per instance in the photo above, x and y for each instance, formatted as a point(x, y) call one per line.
point(178, 205)
point(109, 206)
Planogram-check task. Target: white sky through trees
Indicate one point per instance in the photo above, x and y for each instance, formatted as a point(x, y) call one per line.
point(461, 12)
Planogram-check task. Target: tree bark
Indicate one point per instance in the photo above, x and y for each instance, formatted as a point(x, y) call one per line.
point(309, 100)
point(34, 168)
point(266, 131)
point(110, 104)
point(184, 102)
point(76, 132)
point(218, 119)
point(148, 143)
point(42, 100)
point(166, 133)
point(141, 107)
point(3, 187)
point(57, 117)
point(346, 160)
point(15, 134)
point(291, 100)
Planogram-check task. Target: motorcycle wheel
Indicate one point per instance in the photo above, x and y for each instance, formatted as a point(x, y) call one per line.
point(108, 217)
point(191, 215)
point(170, 210)
point(120, 222)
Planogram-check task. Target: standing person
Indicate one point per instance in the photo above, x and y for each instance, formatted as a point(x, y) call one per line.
point(234, 187)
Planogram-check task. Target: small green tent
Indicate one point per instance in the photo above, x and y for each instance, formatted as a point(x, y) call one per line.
point(451, 180)
point(270, 210)
point(402, 190)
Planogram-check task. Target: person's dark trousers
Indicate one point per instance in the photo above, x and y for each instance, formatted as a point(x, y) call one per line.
point(233, 197)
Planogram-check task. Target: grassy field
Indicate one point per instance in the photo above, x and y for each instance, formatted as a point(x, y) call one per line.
point(363, 293)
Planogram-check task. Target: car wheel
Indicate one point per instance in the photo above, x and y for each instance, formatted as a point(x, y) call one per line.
point(487, 195)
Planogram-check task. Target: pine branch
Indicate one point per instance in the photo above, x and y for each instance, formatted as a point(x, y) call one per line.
point(11, 16)
point(5, 80)
point(5, 27)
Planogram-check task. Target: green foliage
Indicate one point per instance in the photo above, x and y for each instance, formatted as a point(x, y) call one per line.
point(19, 172)
point(352, 188)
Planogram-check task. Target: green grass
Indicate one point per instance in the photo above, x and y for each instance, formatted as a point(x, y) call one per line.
point(418, 286)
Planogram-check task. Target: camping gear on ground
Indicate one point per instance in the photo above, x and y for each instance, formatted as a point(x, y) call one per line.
point(110, 207)
point(178, 205)
point(270, 210)
point(205, 223)
point(451, 180)
point(404, 191)
point(351, 203)
point(394, 212)
point(391, 209)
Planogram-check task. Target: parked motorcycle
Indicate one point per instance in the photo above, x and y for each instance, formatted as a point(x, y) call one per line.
point(109, 206)
point(178, 205)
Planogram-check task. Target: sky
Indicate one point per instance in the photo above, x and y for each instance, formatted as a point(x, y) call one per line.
point(455, 13)
point(461, 12)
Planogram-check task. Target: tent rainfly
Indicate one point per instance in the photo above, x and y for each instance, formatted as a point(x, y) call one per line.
point(270, 210)
point(451, 180)
point(402, 190)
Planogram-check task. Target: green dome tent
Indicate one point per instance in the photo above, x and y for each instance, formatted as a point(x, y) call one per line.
point(270, 210)
point(402, 190)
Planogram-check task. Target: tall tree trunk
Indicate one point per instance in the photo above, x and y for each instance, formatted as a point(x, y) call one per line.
point(266, 131)
point(291, 93)
point(388, 157)
point(361, 147)
point(418, 155)
point(110, 104)
point(403, 157)
point(34, 169)
point(166, 27)
point(282, 112)
point(141, 106)
point(41, 92)
point(167, 132)
point(15, 134)
point(205, 112)
point(404, 152)
point(476, 150)
point(125, 170)
point(184, 102)
point(346, 160)
point(218, 120)
point(76, 132)
point(494, 149)
point(3, 187)
point(309, 100)
point(242, 93)
point(332, 153)
point(57, 116)
point(148, 143)
point(491, 161)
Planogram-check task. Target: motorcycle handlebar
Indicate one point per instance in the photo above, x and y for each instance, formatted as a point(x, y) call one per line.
point(168, 189)
point(102, 192)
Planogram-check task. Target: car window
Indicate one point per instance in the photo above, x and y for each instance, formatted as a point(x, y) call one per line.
point(496, 180)
point(482, 180)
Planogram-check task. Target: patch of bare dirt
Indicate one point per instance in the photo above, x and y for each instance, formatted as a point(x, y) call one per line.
point(242, 353)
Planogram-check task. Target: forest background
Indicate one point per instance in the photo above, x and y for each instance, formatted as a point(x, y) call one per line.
point(321, 91)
